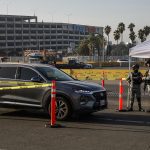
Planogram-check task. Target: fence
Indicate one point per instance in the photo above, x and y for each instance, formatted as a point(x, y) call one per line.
point(98, 74)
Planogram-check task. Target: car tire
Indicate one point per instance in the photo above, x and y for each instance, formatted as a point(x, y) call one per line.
point(63, 108)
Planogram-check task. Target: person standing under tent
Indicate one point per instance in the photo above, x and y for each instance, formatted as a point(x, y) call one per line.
point(146, 77)
point(135, 79)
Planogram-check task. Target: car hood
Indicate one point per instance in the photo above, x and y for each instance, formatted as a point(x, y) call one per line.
point(82, 85)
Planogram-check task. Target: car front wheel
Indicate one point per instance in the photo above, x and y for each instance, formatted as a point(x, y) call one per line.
point(63, 108)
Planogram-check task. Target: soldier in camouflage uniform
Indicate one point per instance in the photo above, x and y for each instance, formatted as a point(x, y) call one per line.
point(146, 77)
point(135, 79)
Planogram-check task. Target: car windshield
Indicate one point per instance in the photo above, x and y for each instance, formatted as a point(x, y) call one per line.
point(52, 73)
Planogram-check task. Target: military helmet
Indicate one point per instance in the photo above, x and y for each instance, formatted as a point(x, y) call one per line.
point(135, 66)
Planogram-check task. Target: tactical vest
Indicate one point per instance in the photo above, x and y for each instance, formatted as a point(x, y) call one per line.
point(136, 78)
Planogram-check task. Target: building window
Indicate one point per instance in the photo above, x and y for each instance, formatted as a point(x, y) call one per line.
point(53, 42)
point(26, 26)
point(59, 31)
point(26, 31)
point(65, 42)
point(40, 31)
point(47, 37)
point(18, 26)
point(10, 26)
point(59, 42)
point(11, 44)
point(18, 31)
point(53, 37)
point(46, 26)
point(53, 26)
point(2, 19)
point(10, 37)
point(25, 37)
point(33, 25)
point(65, 37)
point(59, 37)
point(2, 37)
point(59, 26)
point(18, 37)
point(33, 31)
point(10, 31)
point(2, 32)
point(40, 26)
point(53, 31)
point(65, 31)
point(2, 25)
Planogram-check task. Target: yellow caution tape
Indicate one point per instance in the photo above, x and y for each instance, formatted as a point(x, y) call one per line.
point(20, 82)
point(24, 87)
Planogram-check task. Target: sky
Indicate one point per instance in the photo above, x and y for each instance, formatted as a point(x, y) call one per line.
point(87, 12)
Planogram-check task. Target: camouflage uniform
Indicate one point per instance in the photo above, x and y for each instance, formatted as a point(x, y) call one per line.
point(147, 76)
point(135, 79)
point(147, 80)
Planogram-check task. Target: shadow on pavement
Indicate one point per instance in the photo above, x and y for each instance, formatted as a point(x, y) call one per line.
point(105, 117)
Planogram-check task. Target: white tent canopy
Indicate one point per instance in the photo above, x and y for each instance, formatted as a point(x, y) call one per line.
point(141, 50)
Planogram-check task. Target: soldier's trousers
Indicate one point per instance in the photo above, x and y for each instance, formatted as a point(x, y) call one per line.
point(135, 92)
point(148, 87)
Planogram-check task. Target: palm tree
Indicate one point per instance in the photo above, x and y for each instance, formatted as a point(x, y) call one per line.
point(141, 35)
point(83, 47)
point(131, 26)
point(100, 44)
point(116, 35)
point(107, 30)
point(132, 36)
point(92, 44)
point(121, 28)
point(146, 30)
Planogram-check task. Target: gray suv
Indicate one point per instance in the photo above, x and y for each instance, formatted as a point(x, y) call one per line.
point(73, 96)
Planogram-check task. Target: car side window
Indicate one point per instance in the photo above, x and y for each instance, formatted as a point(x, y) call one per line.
point(27, 74)
point(8, 72)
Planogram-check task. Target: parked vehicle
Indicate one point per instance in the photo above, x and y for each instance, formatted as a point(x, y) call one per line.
point(74, 64)
point(122, 60)
point(73, 96)
point(125, 62)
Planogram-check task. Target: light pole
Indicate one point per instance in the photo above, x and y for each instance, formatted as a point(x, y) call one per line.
point(68, 15)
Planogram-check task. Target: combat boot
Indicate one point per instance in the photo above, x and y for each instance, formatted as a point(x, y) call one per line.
point(140, 107)
point(131, 108)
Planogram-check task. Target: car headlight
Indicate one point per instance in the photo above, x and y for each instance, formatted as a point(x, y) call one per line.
point(82, 91)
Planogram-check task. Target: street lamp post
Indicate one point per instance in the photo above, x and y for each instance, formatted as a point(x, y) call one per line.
point(68, 15)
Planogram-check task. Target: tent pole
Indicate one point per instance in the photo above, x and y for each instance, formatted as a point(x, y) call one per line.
point(129, 63)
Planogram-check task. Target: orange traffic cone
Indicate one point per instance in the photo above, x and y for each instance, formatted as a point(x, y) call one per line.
point(52, 111)
point(103, 82)
point(120, 97)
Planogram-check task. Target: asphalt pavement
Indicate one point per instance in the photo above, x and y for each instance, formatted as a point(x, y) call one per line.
point(103, 130)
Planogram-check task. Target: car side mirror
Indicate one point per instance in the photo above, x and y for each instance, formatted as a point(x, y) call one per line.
point(36, 79)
